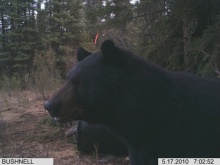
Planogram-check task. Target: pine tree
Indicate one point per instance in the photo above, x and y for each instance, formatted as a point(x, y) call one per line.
point(62, 29)
point(4, 22)
point(18, 27)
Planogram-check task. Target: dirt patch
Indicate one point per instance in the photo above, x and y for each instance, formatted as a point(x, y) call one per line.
point(24, 135)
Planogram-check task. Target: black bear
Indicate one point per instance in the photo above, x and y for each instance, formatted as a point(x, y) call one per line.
point(157, 113)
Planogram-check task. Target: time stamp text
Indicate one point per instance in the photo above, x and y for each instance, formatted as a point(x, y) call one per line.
point(189, 161)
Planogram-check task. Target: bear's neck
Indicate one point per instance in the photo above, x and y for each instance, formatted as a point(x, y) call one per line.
point(144, 99)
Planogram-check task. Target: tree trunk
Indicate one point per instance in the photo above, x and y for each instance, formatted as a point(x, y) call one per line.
point(186, 39)
point(3, 25)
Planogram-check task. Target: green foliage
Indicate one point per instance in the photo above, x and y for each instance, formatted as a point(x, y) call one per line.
point(10, 83)
point(204, 55)
point(46, 77)
point(88, 43)
point(11, 91)
point(176, 34)
point(49, 122)
point(64, 24)
point(18, 34)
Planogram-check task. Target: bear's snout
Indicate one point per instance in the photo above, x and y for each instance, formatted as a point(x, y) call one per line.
point(50, 108)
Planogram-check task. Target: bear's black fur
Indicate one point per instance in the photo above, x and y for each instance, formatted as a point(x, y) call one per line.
point(157, 113)
point(93, 138)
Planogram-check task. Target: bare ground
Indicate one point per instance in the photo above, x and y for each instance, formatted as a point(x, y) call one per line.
point(23, 134)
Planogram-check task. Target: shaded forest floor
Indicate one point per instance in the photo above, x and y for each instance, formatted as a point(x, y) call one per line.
point(25, 133)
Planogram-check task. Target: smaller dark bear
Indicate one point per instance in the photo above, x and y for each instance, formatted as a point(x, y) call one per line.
point(93, 138)
point(157, 113)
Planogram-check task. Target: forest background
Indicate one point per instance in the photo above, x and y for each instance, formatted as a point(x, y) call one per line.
point(38, 38)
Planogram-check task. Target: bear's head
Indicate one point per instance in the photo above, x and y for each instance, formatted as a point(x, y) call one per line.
point(93, 86)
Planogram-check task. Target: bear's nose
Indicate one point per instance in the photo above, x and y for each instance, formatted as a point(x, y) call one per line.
point(48, 106)
point(52, 108)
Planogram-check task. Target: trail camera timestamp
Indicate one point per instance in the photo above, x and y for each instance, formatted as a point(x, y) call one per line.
point(189, 161)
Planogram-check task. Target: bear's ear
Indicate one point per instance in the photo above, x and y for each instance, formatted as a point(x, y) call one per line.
point(81, 54)
point(110, 52)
